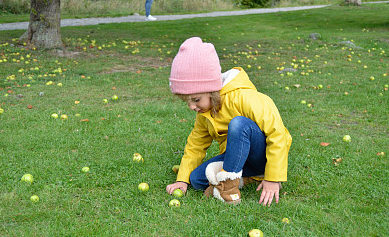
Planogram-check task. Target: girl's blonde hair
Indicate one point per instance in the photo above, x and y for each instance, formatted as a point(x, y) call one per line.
point(216, 102)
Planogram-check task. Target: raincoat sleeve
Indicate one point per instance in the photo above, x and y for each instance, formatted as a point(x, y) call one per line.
point(262, 110)
point(198, 142)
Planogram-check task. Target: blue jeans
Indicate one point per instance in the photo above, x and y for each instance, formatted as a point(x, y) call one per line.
point(246, 152)
point(148, 4)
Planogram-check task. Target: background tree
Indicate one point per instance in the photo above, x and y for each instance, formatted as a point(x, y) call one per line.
point(355, 2)
point(45, 23)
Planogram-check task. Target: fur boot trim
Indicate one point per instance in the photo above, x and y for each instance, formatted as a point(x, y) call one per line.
point(217, 195)
point(211, 171)
point(223, 176)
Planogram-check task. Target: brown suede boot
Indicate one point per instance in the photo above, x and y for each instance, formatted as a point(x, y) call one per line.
point(223, 185)
point(249, 180)
point(228, 191)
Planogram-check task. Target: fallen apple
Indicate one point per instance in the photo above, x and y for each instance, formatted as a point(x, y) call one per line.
point(85, 169)
point(178, 193)
point(144, 187)
point(1, 110)
point(255, 233)
point(54, 115)
point(137, 157)
point(176, 168)
point(28, 178)
point(105, 101)
point(347, 138)
point(34, 198)
point(174, 203)
point(285, 220)
point(115, 97)
point(64, 117)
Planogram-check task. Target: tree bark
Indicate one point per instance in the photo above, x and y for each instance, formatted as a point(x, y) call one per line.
point(45, 23)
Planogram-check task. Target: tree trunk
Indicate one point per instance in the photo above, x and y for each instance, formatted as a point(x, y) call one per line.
point(355, 2)
point(45, 23)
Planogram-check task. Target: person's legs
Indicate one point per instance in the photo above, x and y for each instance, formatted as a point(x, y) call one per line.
point(198, 178)
point(148, 4)
point(246, 148)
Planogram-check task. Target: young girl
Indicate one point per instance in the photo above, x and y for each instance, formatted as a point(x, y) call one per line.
point(252, 138)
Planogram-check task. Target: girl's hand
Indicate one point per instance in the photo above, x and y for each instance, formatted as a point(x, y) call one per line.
point(181, 185)
point(270, 189)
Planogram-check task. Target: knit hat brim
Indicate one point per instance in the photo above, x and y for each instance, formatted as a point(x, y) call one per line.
point(195, 86)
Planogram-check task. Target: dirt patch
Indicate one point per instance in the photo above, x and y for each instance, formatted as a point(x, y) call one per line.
point(136, 63)
point(66, 53)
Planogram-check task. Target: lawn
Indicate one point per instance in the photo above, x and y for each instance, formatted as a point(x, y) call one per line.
point(340, 87)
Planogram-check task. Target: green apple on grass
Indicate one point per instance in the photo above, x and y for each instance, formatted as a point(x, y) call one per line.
point(54, 115)
point(347, 138)
point(85, 169)
point(176, 168)
point(34, 198)
point(174, 203)
point(178, 193)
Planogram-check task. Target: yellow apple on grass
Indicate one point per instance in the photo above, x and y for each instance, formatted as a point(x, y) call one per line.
point(54, 115)
point(28, 178)
point(85, 169)
point(285, 220)
point(137, 157)
point(1, 110)
point(144, 187)
point(255, 233)
point(115, 97)
point(64, 117)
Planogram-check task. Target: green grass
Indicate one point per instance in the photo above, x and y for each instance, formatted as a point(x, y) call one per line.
point(320, 198)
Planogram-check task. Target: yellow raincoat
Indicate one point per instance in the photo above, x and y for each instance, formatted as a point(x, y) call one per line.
point(239, 98)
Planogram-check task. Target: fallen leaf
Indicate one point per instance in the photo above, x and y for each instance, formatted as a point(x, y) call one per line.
point(324, 144)
point(84, 120)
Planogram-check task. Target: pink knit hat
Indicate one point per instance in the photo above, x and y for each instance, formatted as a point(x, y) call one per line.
point(196, 68)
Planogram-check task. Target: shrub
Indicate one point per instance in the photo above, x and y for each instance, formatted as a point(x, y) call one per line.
point(255, 3)
point(15, 6)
